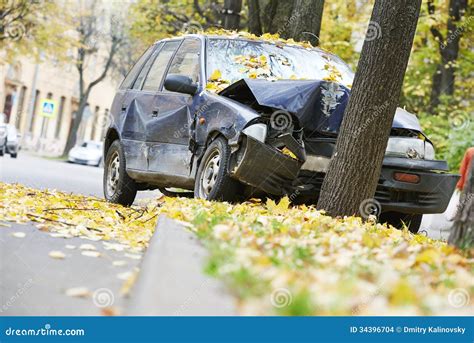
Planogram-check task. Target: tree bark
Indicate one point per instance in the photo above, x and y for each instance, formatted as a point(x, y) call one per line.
point(254, 22)
point(304, 23)
point(231, 12)
point(462, 232)
point(355, 168)
point(444, 76)
point(277, 15)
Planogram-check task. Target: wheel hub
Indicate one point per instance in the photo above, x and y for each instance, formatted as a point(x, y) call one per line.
point(113, 174)
point(210, 173)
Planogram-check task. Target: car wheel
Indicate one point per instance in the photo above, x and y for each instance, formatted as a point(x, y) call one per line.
point(398, 220)
point(13, 155)
point(213, 181)
point(1, 152)
point(118, 186)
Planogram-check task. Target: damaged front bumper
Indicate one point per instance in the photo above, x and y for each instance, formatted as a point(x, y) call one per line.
point(264, 167)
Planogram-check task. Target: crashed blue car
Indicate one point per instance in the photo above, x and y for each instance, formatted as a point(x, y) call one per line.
point(229, 118)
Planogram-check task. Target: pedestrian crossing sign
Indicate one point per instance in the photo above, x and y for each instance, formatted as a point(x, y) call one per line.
point(48, 108)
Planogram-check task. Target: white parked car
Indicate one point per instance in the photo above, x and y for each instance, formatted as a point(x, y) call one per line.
point(88, 152)
point(9, 140)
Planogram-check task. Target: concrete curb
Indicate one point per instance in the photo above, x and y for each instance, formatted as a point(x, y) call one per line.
point(171, 280)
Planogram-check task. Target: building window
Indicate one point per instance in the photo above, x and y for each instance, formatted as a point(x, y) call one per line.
point(59, 119)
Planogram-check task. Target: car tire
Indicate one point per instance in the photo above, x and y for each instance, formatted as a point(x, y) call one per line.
point(118, 186)
point(1, 152)
point(398, 220)
point(213, 181)
point(13, 155)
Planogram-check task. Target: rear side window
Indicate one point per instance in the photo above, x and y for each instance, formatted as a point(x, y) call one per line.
point(141, 77)
point(128, 81)
point(157, 70)
point(186, 60)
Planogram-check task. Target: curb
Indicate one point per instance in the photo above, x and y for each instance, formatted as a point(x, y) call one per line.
point(171, 281)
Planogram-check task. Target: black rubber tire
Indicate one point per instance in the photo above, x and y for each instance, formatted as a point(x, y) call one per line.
point(13, 155)
point(398, 220)
point(225, 187)
point(1, 152)
point(126, 189)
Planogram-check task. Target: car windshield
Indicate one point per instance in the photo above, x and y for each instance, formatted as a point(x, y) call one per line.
point(230, 60)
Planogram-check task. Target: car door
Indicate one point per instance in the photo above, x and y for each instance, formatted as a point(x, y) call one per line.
point(129, 120)
point(141, 104)
point(168, 131)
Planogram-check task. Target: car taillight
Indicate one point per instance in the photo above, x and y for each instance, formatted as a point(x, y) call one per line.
point(406, 177)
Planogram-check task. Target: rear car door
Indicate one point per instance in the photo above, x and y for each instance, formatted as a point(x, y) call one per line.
point(142, 102)
point(168, 131)
point(129, 120)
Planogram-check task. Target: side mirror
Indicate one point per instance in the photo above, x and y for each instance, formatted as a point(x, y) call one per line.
point(181, 84)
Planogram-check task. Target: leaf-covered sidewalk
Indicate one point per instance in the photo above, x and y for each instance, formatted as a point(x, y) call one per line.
point(276, 258)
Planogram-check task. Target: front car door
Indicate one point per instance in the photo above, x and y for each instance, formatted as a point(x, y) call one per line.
point(168, 132)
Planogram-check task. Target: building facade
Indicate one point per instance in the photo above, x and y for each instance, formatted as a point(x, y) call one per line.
point(25, 85)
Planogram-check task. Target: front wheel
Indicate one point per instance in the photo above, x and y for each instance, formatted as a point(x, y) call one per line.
point(13, 155)
point(118, 186)
point(398, 220)
point(213, 181)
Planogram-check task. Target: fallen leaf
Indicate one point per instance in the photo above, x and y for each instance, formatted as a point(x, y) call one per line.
point(57, 254)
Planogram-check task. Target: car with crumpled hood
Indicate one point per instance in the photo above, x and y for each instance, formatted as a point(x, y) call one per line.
point(233, 117)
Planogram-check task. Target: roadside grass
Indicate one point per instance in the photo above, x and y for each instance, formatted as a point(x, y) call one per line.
point(277, 259)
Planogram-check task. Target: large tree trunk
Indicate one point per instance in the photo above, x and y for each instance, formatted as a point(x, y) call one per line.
point(462, 232)
point(304, 23)
point(231, 13)
point(254, 22)
point(355, 168)
point(443, 79)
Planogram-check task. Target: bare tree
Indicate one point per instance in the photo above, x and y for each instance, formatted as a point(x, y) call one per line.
point(355, 168)
point(94, 40)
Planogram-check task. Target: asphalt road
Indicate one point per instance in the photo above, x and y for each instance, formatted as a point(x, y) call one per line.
point(31, 282)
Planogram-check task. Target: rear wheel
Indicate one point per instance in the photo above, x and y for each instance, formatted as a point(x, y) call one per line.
point(397, 219)
point(213, 181)
point(118, 186)
point(13, 155)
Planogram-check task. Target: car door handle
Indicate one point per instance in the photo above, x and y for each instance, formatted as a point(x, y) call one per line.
point(124, 107)
point(155, 112)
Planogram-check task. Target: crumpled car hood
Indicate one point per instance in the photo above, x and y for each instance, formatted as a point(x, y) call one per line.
point(318, 104)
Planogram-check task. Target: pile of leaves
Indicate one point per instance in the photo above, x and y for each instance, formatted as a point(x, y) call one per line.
point(277, 258)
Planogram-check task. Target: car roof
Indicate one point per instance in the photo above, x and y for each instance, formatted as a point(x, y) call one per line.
point(236, 36)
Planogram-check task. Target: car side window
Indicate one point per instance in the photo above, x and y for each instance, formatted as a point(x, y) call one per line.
point(186, 60)
point(128, 81)
point(158, 68)
point(143, 73)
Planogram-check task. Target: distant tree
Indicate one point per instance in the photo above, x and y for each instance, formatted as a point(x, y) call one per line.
point(355, 168)
point(304, 23)
point(95, 39)
point(231, 13)
point(32, 27)
point(448, 48)
point(254, 21)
